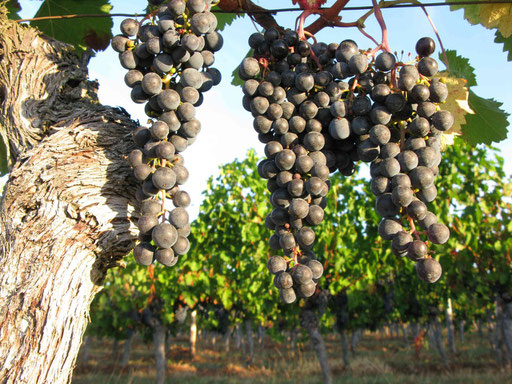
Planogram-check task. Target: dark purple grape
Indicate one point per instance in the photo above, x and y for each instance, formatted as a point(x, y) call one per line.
point(429, 270)
point(417, 250)
point(301, 274)
point(277, 264)
point(164, 235)
point(438, 233)
point(144, 253)
point(425, 46)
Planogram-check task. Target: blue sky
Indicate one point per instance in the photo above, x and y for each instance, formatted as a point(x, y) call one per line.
point(227, 128)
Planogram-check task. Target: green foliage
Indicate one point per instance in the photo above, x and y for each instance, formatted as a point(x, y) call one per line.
point(225, 19)
point(489, 122)
point(491, 15)
point(460, 67)
point(13, 7)
point(507, 44)
point(82, 33)
point(230, 236)
point(3, 158)
point(235, 77)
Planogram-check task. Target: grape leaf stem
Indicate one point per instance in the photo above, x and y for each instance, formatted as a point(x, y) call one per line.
point(367, 35)
point(380, 18)
point(413, 228)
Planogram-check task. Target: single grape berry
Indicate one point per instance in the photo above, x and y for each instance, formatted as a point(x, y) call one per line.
point(429, 270)
point(277, 264)
point(425, 46)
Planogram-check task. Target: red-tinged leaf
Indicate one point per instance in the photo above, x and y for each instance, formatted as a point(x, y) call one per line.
point(95, 41)
point(78, 32)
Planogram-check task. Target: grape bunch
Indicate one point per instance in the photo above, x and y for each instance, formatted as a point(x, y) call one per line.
point(399, 132)
point(169, 57)
point(320, 108)
point(297, 111)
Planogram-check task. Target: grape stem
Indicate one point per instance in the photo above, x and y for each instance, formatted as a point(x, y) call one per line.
point(402, 137)
point(378, 15)
point(438, 37)
point(413, 228)
point(302, 33)
point(367, 35)
point(352, 89)
point(163, 164)
point(394, 81)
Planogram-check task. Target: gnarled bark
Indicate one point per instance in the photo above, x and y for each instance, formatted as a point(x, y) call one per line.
point(65, 212)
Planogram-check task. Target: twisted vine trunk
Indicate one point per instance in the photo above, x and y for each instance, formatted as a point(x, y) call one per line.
point(159, 347)
point(309, 322)
point(250, 341)
point(227, 338)
point(127, 348)
point(64, 216)
point(344, 347)
point(85, 351)
point(193, 333)
point(449, 326)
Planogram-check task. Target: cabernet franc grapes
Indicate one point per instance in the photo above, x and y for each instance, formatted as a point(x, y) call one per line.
point(321, 108)
point(169, 58)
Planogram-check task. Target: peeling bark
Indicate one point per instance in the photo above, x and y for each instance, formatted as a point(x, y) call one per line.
point(65, 213)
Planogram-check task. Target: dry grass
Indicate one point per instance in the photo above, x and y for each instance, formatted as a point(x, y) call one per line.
point(378, 359)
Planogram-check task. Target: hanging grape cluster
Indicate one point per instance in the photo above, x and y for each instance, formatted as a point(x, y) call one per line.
point(320, 108)
point(169, 58)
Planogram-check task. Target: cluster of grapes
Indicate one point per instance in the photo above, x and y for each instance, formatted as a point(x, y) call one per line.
point(400, 134)
point(169, 67)
point(322, 107)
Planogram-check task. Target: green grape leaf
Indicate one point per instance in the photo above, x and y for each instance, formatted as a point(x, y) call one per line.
point(487, 124)
point(3, 158)
point(471, 12)
point(225, 19)
point(490, 15)
point(82, 33)
point(460, 67)
point(507, 44)
point(236, 80)
point(13, 7)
